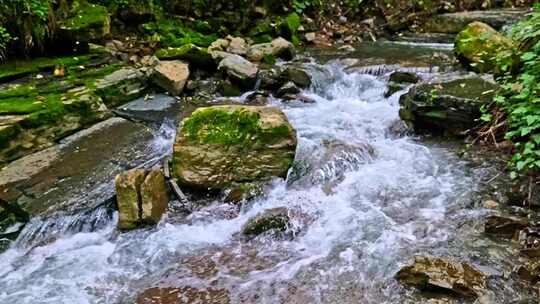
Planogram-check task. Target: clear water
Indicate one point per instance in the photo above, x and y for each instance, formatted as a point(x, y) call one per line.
point(364, 201)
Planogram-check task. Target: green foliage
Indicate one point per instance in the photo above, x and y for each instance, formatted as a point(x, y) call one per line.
point(173, 33)
point(5, 38)
point(302, 6)
point(520, 98)
point(25, 20)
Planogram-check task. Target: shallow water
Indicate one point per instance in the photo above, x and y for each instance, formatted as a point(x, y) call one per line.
point(363, 201)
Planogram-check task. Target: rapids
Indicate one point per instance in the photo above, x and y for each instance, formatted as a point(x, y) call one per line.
point(364, 200)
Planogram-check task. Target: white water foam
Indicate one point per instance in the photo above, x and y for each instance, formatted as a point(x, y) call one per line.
point(365, 218)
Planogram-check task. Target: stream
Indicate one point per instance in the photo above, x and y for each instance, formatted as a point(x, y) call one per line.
point(364, 199)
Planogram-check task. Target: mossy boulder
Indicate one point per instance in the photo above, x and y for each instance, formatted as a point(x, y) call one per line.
point(278, 48)
point(221, 145)
point(197, 57)
point(478, 46)
point(448, 107)
point(88, 23)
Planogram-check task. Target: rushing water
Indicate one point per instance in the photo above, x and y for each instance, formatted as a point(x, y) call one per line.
point(363, 200)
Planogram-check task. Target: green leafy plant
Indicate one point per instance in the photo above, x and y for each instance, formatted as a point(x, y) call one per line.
point(520, 95)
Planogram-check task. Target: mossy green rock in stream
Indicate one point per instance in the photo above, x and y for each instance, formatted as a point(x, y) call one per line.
point(453, 23)
point(197, 56)
point(221, 145)
point(478, 46)
point(90, 22)
point(449, 108)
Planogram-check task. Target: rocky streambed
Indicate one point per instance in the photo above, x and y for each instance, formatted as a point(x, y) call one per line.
point(364, 196)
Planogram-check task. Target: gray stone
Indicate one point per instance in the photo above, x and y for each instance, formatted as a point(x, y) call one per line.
point(122, 86)
point(171, 76)
point(278, 48)
point(239, 69)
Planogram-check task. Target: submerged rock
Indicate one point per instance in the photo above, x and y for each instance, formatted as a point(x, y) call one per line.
point(238, 193)
point(450, 108)
point(122, 86)
point(184, 295)
point(142, 198)
point(478, 45)
point(278, 48)
point(275, 220)
point(441, 274)
point(507, 226)
point(239, 70)
point(220, 145)
point(171, 76)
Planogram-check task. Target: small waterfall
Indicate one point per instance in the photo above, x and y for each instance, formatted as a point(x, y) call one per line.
point(45, 229)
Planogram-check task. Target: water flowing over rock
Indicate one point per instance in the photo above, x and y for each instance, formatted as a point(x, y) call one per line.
point(142, 198)
point(171, 76)
point(478, 44)
point(450, 107)
point(184, 295)
point(239, 69)
point(219, 145)
point(276, 220)
point(278, 48)
point(122, 86)
point(434, 273)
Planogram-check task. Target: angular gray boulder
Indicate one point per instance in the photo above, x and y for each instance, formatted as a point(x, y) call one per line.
point(239, 70)
point(278, 48)
point(171, 76)
point(122, 86)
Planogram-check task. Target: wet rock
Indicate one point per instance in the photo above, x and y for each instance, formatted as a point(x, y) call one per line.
point(196, 56)
point(297, 75)
point(478, 44)
point(171, 76)
point(142, 198)
point(449, 108)
point(393, 88)
point(275, 220)
point(238, 193)
point(258, 98)
point(347, 48)
point(278, 48)
point(288, 89)
point(270, 78)
point(237, 46)
point(122, 86)
point(441, 274)
point(220, 145)
point(404, 77)
point(228, 89)
point(505, 226)
point(453, 23)
point(239, 70)
point(184, 295)
point(530, 271)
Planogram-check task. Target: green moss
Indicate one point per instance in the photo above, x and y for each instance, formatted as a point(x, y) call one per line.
point(239, 127)
point(18, 68)
point(188, 52)
point(88, 16)
point(174, 33)
point(7, 133)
